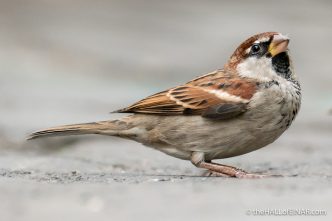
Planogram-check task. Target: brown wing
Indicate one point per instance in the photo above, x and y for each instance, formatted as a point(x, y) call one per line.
point(155, 104)
point(204, 95)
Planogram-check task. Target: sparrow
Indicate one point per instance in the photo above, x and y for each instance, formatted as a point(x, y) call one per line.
point(228, 112)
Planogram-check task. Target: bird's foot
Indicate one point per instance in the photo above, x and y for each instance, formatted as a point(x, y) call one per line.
point(240, 174)
point(209, 173)
point(246, 175)
point(221, 170)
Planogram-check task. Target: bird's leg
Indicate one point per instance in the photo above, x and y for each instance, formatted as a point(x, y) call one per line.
point(197, 158)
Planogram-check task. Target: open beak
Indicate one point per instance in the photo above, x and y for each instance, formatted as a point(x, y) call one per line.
point(278, 45)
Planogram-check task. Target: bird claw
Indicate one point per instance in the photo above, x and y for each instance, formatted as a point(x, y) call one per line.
point(240, 174)
point(245, 175)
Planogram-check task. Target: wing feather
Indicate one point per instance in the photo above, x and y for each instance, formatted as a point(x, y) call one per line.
point(204, 95)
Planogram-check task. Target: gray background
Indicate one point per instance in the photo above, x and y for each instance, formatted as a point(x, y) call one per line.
point(69, 61)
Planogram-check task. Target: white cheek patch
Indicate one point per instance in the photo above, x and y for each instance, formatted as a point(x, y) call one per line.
point(257, 68)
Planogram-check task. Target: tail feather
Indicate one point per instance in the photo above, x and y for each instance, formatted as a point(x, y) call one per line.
point(101, 127)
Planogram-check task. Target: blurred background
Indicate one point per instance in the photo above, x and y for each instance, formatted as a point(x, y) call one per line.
point(70, 61)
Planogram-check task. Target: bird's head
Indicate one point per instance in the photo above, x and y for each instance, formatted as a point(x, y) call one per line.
point(263, 57)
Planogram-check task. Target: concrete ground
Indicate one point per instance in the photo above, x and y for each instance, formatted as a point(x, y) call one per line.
point(65, 62)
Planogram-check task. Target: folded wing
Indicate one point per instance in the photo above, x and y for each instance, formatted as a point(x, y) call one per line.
point(216, 95)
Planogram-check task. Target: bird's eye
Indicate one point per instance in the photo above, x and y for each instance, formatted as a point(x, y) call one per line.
point(255, 49)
